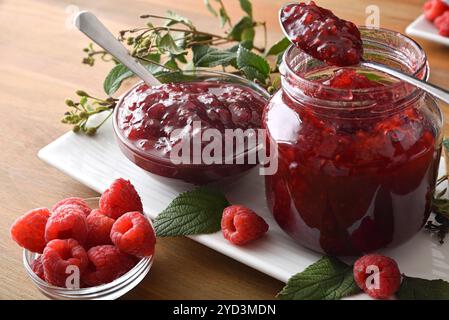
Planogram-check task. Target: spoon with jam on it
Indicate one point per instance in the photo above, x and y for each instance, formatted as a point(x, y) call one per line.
point(326, 37)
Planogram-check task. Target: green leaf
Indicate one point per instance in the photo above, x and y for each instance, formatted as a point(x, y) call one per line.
point(245, 44)
point(224, 18)
point(176, 18)
point(327, 279)
point(172, 64)
point(156, 57)
point(249, 34)
point(180, 57)
point(421, 289)
point(247, 7)
point(191, 213)
point(115, 78)
point(279, 59)
point(252, 65)
point(237, 31)
point(279, 47)
point(207, 57)
point(120, 73)
point(246, 58)
point(167, 44)
point(210, 8)
point(171, 77)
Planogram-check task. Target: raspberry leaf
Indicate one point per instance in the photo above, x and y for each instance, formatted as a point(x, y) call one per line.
point(252, 65)
point(327, 279)
point(279, 47)
point(421, 289)
point(207, 57)
point(120, 73)
point(247, 6)
point(192, 213)
point(168, 44)
point(115, 78)
point(175, 18)
point(243, 24)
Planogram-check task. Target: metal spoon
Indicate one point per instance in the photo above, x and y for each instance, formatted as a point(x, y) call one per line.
point(89, 24)
point(430, 88)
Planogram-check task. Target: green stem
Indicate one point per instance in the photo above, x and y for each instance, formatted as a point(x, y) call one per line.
point(155, 63)
point(104, 121)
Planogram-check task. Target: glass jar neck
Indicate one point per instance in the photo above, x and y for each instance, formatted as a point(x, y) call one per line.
point(299, 72)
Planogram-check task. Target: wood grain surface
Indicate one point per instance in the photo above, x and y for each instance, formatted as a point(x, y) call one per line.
point(40, 66)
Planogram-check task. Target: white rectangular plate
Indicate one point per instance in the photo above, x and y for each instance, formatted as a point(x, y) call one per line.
point(97, 161)
point(425, 29)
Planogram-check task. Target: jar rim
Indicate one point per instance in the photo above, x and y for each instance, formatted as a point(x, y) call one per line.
point(421, 65)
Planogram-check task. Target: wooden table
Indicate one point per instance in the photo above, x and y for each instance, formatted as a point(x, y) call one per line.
point(40, 67)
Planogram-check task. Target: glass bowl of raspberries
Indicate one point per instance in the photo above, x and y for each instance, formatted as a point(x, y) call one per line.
point(88, 249)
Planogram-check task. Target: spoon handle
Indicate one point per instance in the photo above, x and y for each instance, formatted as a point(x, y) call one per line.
point(430, 88)
point(89, 24)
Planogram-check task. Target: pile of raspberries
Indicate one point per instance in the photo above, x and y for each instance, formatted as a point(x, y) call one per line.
point(103, 243)
point(437, 11)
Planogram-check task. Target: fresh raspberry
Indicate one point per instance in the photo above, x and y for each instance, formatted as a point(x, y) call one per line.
point(29, 230)
point(38, 268)
point(434, 8)
point(68, 222)
point(98, 229)
point(107, 263)
point(78, 202)
point(241, 225)
point(389, 275)
point(58, 256)
point(442, 23)
point(120, 198)
point(133, 234)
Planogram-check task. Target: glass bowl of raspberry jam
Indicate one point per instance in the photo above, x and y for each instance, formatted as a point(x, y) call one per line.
point(108, 291)
point(152, 123)
point(358, 152)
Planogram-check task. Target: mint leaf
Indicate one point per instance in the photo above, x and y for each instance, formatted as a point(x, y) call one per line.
point(421, 289)
point(193, 212)
point(252, 65)
point(115, 78)
point(327, 279)
point(207, 57)
point(237, 31)
point(279, 47)
point(247, 7)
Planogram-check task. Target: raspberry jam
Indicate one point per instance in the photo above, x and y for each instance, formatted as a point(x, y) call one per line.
point(358, 152)
point(323, 35)
point(151, 121)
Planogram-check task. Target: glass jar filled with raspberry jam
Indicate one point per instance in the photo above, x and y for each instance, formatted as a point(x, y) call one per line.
point(196, 110)
point(358, 152)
